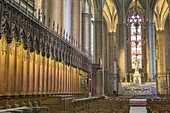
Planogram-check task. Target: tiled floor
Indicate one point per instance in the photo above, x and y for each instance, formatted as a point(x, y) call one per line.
point(138, 110)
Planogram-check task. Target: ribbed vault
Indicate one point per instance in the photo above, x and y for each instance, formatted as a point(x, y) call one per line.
point(110, 15)
point(110, 8)
point(160, 14)
point(133, 3)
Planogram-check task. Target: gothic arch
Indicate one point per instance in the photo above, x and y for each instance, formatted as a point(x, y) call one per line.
point(110, 15)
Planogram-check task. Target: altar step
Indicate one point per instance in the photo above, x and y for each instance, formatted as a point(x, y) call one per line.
point(137, 102)
point(138, 96)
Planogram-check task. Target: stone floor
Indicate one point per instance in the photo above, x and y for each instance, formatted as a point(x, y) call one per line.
point(136, 109)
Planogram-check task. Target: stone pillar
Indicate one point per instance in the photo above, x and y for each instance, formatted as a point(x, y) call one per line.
point(75, 24)
point(147, 56)
point(152, 51)
point(167, 43)
point(68, 17)
point(110, 53)
point(110, 62)
point(53, 10)
point(98, 21)
point(104, 49)
point(86, 29)
point(151, 43)
point(80, 39)
point(115, 64)
point(38, 8)
point(160, 50)
point(122, 43)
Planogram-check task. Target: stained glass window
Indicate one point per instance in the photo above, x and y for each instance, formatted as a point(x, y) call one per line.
point(136, 46)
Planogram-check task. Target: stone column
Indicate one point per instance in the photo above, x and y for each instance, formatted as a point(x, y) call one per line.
point(151, 43)
point(98, 24)
point(75, 24)
point(115, 64)
point(110, 62)
point(104, 49)
point(152, 50)
point(68, 17)
point(147, 60)
point(160, 45)
point(38, 8)
point(167, 43)
point(86, 29)
point(122, 43)
point(81, 10)
point(110, 53)
point(53, 10)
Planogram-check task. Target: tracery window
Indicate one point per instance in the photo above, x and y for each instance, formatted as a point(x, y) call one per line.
point(136, 45)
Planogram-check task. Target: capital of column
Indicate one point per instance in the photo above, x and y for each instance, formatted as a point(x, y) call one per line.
point(98, 15)
point(86, 8)
point(160, 31)
point(98, 21)
point(111, 33)
point(86, 14)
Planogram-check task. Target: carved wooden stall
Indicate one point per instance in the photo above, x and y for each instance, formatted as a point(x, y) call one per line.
point(100, 105)
point(36, 63)
point(158, 105)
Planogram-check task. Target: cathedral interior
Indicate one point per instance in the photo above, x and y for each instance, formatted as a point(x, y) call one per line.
point(84, 56)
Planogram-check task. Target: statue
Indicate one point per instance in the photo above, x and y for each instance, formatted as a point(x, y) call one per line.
point(137, 75)
point(137, 66)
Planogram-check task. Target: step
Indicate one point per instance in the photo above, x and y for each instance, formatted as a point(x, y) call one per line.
point(137, 102)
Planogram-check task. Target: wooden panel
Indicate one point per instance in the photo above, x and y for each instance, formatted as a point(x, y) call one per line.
point(36, 73)
point(53, 77)
point(68, 79)
point(72, 80)
point(57, 77)
point(45, 75)
point(60, 77)
point(52, 101)
point(41, 74)
point(11, 67)
point(64, 78)
point(48, 75)
point(19, 69)
point(31, 72)
point(25, 72)
point(3, 76)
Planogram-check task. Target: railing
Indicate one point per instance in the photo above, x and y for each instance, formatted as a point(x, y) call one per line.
point(158, 106)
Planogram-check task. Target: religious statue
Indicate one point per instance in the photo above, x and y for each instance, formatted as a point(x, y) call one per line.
point(137, 66)
point(137, 75)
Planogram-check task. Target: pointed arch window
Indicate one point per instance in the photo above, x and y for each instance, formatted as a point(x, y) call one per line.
point(136, 44)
